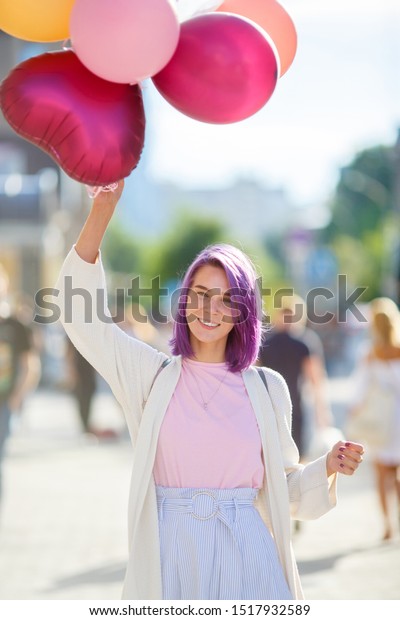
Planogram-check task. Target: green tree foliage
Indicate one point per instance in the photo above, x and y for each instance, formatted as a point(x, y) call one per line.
point(165, 259)
point(364, 194)
point(169, 256)
point(362, 261)
point(121, 251)
point(362, 208)
point(188, 235)
point(191, 233)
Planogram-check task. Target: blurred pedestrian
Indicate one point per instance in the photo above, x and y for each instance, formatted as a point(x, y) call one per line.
point(295, 351)
point(215, 469)
point(19, 364)
point(81, 380)
point(380, 368)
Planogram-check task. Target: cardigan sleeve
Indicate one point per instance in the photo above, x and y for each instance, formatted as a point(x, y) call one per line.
point(311, 493)
point(127, 364)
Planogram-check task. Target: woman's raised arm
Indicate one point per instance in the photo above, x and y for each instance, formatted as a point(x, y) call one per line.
point(93, 230)
point(128, 365)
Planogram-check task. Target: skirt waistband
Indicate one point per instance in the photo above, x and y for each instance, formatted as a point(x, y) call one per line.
point(203, 503)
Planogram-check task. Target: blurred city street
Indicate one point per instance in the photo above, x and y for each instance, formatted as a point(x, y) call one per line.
point(63, 530)
point(302, 174)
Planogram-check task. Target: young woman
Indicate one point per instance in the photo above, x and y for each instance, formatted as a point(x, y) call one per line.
point(379, 370)
point(215, 470)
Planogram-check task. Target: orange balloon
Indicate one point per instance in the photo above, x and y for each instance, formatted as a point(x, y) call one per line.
point(274, 19)
point(41, 21)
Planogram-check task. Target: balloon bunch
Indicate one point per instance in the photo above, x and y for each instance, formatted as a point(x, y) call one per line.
point(217, 62)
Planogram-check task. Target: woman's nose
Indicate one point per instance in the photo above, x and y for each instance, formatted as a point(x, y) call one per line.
point(217, 305)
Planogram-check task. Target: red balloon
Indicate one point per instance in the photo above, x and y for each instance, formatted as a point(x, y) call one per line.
point(92, 128)
point(224, 70)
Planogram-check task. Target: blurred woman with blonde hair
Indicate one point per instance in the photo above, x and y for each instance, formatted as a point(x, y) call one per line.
point(381, 367)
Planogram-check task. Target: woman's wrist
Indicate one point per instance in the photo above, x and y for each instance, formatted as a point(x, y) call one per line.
point(89, 241)
point(329, 469)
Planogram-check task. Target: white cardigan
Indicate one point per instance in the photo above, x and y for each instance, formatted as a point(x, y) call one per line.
point(130, 367)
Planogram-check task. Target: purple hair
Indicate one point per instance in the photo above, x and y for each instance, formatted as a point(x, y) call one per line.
point(245, 338)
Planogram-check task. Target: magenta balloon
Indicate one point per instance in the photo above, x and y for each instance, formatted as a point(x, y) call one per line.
point(92, 128)
point(224, 70)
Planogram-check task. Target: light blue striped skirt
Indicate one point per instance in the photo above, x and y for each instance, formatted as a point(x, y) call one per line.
point(215, 546)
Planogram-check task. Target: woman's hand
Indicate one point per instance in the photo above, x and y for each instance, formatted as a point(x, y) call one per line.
point(344, 458)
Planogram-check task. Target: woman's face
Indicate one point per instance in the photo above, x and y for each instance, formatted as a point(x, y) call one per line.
point(208, 312)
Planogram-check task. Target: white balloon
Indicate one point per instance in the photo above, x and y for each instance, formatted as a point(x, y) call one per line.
point(189, 8)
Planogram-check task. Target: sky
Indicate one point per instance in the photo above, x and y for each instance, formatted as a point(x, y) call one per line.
point(341, 95)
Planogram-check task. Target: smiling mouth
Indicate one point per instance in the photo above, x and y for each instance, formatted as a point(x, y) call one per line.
point(209, 324)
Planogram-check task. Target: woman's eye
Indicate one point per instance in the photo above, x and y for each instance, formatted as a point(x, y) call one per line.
point(201, 297)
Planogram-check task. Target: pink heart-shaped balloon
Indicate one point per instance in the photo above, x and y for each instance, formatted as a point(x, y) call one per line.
point(92, 128)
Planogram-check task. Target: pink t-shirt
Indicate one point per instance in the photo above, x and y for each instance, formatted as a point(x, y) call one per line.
point(215, 448)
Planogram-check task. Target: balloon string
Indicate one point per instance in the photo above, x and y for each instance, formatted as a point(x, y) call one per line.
point(94, 191)
point(66, 46)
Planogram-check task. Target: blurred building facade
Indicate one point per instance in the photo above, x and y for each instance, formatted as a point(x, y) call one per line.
point(40, 207)
point(249, 210)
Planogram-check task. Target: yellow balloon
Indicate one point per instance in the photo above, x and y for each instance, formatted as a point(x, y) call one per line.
point(36, 20)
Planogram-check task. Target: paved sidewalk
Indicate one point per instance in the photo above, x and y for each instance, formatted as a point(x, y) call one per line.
point(63, 530)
